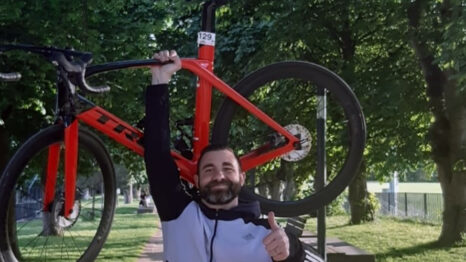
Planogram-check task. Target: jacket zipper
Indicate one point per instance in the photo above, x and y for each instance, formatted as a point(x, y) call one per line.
point(213, 236)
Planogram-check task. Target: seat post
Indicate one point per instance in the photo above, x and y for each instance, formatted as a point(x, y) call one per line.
point(208, 16)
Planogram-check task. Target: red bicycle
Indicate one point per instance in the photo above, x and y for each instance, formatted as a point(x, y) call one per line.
point(59, 187)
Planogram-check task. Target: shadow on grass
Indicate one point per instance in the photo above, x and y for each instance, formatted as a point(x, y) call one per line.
point(408, 251)
point(126, 210)
point(340, 226)
point(404, 220)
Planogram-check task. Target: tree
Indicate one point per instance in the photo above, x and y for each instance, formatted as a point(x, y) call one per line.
point(360, 41)
point(439, 46)
point(104, 28)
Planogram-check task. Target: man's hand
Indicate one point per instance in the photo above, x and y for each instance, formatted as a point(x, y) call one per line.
point(163, 74)
point(276, 243)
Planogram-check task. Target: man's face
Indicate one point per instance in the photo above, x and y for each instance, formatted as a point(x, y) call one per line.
point(220, 178)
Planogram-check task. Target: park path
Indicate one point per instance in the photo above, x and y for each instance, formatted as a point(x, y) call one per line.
point(153, 250)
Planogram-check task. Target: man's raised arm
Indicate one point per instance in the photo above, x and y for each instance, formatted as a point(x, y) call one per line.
point(162, 172)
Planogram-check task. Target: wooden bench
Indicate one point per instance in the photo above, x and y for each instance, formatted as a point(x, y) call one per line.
point(337, 250)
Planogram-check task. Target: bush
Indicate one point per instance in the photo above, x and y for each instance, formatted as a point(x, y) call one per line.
point(336, 207)
point(372, 206)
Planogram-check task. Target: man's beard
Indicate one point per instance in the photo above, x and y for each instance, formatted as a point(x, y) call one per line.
point(220, 196)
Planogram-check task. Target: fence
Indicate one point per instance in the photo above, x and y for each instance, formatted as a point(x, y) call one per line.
point(28, 202)
point(423, 206)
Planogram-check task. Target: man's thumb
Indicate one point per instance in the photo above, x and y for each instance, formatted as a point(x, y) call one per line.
point(273, 224)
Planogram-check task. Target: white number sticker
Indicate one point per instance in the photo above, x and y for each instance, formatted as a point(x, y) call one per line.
point(206, 38)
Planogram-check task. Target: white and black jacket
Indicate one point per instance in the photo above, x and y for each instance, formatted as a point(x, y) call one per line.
point(193, 232)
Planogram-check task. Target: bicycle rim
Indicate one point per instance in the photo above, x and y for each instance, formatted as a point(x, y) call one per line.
point(37, 233)
point(288, 92)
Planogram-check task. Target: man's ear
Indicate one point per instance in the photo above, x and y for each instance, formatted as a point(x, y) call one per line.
point(242, 176)
point(196, 180)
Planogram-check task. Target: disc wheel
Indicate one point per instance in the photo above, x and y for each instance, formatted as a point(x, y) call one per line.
point(33, 231)
point(291, 93)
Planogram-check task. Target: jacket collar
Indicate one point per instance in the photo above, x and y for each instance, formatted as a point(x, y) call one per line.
point(246, 210)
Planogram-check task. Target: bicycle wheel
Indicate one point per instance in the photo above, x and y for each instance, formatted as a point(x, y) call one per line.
point(287, 92)
point(32, 232)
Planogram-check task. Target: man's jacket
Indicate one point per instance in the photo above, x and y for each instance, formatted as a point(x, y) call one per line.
point(192, 231)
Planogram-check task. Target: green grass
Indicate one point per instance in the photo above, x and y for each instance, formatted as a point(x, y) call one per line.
point(394, 240)
point(130, 232)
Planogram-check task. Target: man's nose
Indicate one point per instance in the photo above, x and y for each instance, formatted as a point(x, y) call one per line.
point(218, 175)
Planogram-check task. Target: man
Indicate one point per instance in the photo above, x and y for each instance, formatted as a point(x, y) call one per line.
point(216, 225)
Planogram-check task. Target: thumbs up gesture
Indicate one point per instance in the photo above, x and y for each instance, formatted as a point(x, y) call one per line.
point(276, 243)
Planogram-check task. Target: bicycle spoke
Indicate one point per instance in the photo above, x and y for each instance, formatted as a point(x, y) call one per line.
point(74, 242)
point(19, 230)
point(43, 247)
point(32, 241)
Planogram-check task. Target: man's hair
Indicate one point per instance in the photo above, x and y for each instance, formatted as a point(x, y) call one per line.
point(216, 147)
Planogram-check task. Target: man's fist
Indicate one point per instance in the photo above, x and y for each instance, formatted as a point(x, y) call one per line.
point(163, 73)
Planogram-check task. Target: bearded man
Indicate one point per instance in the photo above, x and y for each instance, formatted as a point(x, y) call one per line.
point(214, 225)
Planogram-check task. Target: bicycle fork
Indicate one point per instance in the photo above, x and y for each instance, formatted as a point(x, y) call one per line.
point(71, 162)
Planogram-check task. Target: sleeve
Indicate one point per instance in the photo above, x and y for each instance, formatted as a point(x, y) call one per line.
point(165, 186)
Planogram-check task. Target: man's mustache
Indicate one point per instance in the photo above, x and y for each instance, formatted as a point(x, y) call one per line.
point(216, 183)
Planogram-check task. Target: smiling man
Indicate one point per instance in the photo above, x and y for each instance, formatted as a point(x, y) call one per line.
point(221, 179)
point(214, 225)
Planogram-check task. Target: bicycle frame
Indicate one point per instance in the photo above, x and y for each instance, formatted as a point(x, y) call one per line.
point(130, 136)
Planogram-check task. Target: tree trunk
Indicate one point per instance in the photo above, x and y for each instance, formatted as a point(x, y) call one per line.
point(448, 131)
point(357, 196)
point(290, 189)
point(129, 193)
point(276, 189)
point(451, 166)
point(137, 192)
point(454, 213)
point(49, 228)
point(263, 190)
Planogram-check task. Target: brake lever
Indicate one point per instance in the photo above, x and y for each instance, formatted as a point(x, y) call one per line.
point(78, 70)
point(86, 87)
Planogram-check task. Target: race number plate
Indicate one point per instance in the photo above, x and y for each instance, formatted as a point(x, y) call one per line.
point(206, 38)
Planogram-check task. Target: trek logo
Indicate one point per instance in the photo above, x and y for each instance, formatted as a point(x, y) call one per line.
point(119, 128)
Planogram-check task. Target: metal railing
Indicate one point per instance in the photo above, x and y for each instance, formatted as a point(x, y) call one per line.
point(422, 206)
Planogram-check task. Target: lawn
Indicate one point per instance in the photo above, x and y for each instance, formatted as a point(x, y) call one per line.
point(130, 232)
point(394, 240)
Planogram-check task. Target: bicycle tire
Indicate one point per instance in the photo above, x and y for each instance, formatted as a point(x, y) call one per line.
point(270, 84)
point(82, 239)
